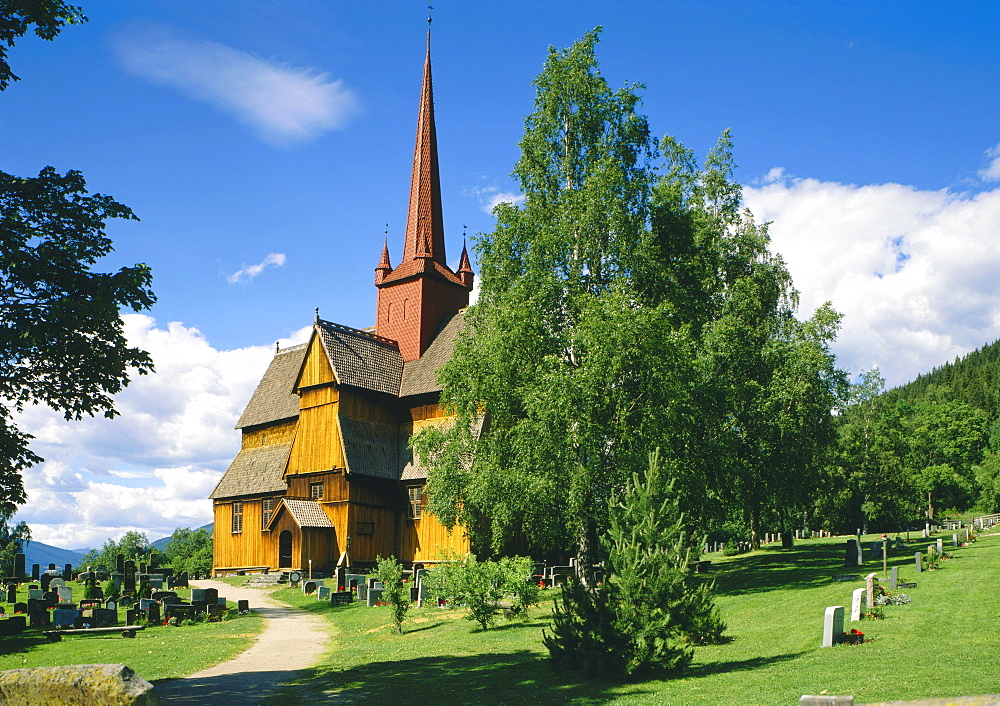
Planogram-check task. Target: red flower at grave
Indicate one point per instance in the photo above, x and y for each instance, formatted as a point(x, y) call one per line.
point(340, 588)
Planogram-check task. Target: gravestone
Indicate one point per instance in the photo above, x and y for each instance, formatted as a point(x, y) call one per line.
point(39, 618)
point(221, 600)
point(870, 584)
point(67, 572)
point(374, 596)
point(133, 615)
point(954, 540)
point(422, 593)
point(211, 595)
point(120, 564)
point(143, 569)
point(833, 625)
point(35, 572)
point(119, 579)
point(144, 603)
point(20, 607)
point(45, 580)
point(156, 581)
point(152, 613)
point(309, 587)
point(35, 593)
point(56, 583)
point(105, 618)
point(916, 560)
point(857, 601)
point(179, 611)
point(894, 578)
point(851, 558)
point(12, 593)
point(14, 625)
point(362, 592)
point(64, 617)
point(128, 582)
point(200, 606)
point(111, 605)
point(323, 593)
point(160, 595)
point(339, 578)
point(198, 594)
point(243, 606)
point(940, 546)
point(19, 565)
point(65, 594)
point(876, 550)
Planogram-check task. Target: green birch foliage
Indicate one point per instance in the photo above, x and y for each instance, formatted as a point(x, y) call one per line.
point(651, 608)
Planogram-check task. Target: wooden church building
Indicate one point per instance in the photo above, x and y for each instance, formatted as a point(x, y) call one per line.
point(325, 466)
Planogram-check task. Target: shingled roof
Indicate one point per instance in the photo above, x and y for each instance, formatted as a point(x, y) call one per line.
point(361, 359)
point(275, 398)
point(306, 513)
point(254, 471)
point(371, 448)
point(420, 375)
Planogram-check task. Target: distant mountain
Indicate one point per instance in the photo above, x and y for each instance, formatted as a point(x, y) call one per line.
point(45, 554)
point(161, 544)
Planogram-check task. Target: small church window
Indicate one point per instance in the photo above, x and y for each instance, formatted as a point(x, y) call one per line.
point(267, 506)
point(366, 528)
point(316, 491)
point(415, 493)
point(237, 516)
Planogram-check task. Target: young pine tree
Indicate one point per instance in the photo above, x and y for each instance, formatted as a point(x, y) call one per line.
point(651, 609)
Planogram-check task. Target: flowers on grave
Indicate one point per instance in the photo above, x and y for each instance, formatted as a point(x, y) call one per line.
point(340, 588)
point(854, 637)
point(892, 598)
point(541, 584)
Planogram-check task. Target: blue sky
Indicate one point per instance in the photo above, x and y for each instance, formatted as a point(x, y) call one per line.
point(266, 145)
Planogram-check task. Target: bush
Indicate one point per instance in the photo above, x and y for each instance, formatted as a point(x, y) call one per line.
point(110, 590)
point(481, 586)
point(394, 592)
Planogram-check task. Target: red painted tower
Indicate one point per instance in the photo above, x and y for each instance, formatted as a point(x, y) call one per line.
point(415, 298)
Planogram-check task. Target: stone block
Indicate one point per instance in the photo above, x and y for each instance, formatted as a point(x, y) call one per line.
point(833, 625)
point(77, 684)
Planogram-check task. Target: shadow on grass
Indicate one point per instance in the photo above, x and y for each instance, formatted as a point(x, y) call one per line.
point(705, 670)
point(508, 677)
point(805, 566)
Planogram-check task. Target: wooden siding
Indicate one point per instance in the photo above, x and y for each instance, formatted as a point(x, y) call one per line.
point(251, 547)
point(275, 434)
point(362, 407)
point(334, 486)
point(317, 445)
point(316, 368)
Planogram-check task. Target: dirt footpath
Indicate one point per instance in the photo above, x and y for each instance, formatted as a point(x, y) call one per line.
point(292, 641)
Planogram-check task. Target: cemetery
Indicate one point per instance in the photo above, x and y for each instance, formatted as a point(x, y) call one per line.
point(781, 606)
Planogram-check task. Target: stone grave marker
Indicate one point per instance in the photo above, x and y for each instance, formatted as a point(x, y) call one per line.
point(56, 583)
point(857, 601)
point(160, 595)
point(199, 606)
point(35, 572)
point(105, 618)
point(422, 594)
point(309, 587)
point(940, 546)
point(851, 558)
point(144, 603)
point(120, 563)
point(243, 606)
point(362, 591)
point(64, 617)
point(35, 593)
point(339, 578)
point(12, 593)
point(954, 540)
point(132, 615)
point(198, 594)
point(323, 593)
point(916, 560)
point(221, 600)
point(20, 607)
point(45, 580)
point(876, 550)
point(833, 625)
point(156, 581)
point(14, 625)
point(19, 565)
point(65, 594)
point(152, 613)
point(870, 584)
point(374, 596)
point(179, 611)
point(67, 572)
point(211, 595)
point(894, 578)
point(111, 605)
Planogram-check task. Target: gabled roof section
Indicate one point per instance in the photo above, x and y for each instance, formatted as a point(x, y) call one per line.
point(254, 471)
point(420, 375)
point(275, 398)
point(361, 359)
point(306, 513)
point(371, 448)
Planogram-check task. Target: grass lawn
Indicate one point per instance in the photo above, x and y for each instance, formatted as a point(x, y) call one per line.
point(945, 643)
point(155, 653)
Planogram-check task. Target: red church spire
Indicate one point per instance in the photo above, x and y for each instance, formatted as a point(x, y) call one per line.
point(424, 222)
point(384, 266)
point(465, 268)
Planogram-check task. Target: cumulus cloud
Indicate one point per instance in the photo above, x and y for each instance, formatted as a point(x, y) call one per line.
point(284, 104)
point(913, 271)
point(152, 467)
point(247, 273)
point(991, 172)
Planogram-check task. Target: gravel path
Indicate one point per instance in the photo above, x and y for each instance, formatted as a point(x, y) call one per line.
point(292, 641)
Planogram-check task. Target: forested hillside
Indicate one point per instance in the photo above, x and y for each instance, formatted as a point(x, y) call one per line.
point(973, 379)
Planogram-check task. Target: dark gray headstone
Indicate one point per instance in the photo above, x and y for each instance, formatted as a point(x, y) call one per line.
point(851, 558)
point(243, 606)
point(12, 593)
point(132, 615)
point(68, 572)
point(14, 625)
point(153, 613)
point(45, 580)
point(120, 563)
point(20, 607)
point(19, 565)
point(64, 616)
point(36, 571)
point(198, 594)
point(211, 595)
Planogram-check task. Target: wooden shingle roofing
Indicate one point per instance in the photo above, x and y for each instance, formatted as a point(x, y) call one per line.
point(275, 398)
point(361, 359)
point(420, 375)
point(306, 513)
point(372, 448)
point(254, 471)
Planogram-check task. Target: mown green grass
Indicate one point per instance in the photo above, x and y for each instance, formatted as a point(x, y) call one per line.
point(159, 652)
point(945, 643)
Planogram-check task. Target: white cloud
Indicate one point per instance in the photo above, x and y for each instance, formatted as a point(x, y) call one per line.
point(151, 468)
point(246, 274)
point(284, 104)
point(490, 197)
point(914, 272)
point(991, 172)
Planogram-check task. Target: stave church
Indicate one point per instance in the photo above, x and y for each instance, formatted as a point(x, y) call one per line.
point(325, 476)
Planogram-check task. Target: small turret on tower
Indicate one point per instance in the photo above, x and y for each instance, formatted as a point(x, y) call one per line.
point(384, 267)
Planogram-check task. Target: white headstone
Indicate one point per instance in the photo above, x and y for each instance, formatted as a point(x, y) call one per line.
point(940, 543)
point(833, 625)
point(894, 578)
point(857, 600)
point(916, 560)
point(870, 584)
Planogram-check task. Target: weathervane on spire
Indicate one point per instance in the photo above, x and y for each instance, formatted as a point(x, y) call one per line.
point(430, 9)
